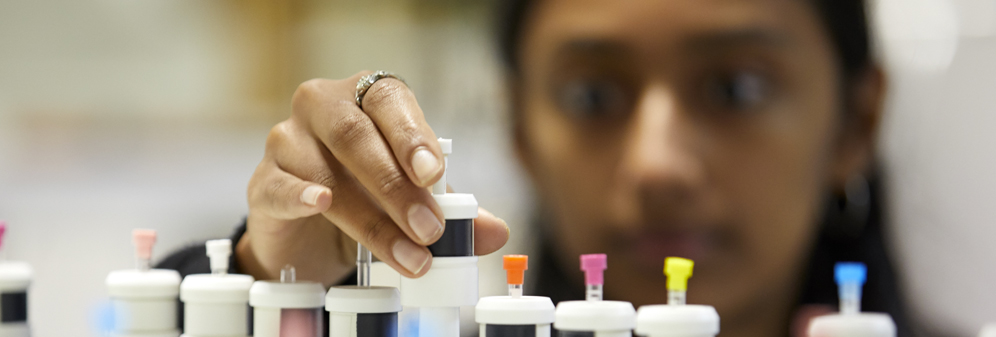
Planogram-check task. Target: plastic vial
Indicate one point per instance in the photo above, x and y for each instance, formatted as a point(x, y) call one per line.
point(677, 318)
point(593, 266)
point(363, 310)
point(851, 322)
point(15, 278)
point(287, 308)
point(515, 315)
point(144, 300)
point(451, 282)
point(594, 317)
point(216, 304)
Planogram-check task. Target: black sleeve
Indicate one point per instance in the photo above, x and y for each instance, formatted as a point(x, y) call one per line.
point(194, 260)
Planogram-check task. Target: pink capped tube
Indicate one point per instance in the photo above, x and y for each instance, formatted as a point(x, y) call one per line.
point(594, 266)
point(143, 239)
point(3, 230)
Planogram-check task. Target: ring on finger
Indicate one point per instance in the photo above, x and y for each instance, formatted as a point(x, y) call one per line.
point(367, 81)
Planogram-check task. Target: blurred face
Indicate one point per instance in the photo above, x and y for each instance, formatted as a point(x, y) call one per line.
point(704, 129)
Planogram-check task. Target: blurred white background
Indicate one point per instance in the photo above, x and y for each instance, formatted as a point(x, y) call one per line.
point(119, 114)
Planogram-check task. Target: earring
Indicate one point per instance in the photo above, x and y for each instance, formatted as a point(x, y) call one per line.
point(848, 213)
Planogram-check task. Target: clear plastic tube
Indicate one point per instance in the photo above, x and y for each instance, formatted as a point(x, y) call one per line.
point(850, 277)
point(515, 290)
point(143, 264)
point(288, 274)
point(850, 298)
point(676, 297)
point(363, 260)
point(594, 292)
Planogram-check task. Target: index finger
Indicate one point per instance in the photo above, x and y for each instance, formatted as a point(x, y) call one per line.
point(394, 109)
point(353, 139)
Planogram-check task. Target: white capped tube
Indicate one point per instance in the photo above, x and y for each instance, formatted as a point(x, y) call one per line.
point(215, 304)
point(219, 251)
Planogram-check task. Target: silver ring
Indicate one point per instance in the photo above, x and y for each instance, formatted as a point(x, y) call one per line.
point(366, 81)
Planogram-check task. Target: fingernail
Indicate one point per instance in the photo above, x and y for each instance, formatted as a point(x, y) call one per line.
point(508, 231)
point(425, 223)
point(410, 256)
point(311, 194)
point(425, 165)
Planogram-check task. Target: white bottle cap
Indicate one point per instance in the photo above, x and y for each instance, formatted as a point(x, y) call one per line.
point(296, 295)
point(457, 205)
point(677, 320)
point(207, 288)
point(14, 276)
point(853, 325)
point(504, 310)
point(363, 300)
point(153, 283)
point(219, 251)
point(595, 316)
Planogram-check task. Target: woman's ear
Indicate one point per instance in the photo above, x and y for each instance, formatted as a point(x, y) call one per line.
point(858, 137)
point(521, 144)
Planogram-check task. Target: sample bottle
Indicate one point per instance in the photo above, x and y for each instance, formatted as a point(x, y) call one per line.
point(287, 308)
point(850, 321)
point(594, 317)
point(144, 300)
point(15, 278)
point(216, 304)
point(515, 315)
point(451, 282)
point(676, 318)
point(363, 310)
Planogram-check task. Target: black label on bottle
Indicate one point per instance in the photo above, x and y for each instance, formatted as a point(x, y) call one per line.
point(377, 325)
point(494, 330)
point(457, 239)
point(14, 307)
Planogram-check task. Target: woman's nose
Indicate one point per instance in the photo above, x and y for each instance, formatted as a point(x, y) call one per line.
point(661, 154)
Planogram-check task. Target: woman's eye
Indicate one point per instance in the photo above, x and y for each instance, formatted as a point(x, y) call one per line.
point(590, 99)
point(740, 91)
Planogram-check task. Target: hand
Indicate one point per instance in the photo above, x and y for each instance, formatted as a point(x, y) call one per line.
point(333, 173)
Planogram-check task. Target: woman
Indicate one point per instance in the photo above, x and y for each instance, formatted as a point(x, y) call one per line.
point(709, 129)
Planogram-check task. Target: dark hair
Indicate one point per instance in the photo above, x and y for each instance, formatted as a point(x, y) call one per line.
point(844, 20)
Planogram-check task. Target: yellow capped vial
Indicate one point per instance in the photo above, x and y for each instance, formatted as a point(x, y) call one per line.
point(678, 270)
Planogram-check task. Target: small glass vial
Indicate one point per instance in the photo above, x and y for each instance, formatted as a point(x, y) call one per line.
point(215, 305)
point(677, 319)
point(515, 315)
point(15, 278)
point(363, 310)
point(287, 308)
point(451, 282)
point(851, 322)
point(594, 316)
point(144, 300)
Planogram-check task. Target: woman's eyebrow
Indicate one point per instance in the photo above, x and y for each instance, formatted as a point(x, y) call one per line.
point(708, 41)
point(733, 38)
point(592, 47)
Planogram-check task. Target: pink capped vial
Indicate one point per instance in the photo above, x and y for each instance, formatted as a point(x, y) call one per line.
point(143, 239)
point(3, 230)
point(594, 266)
